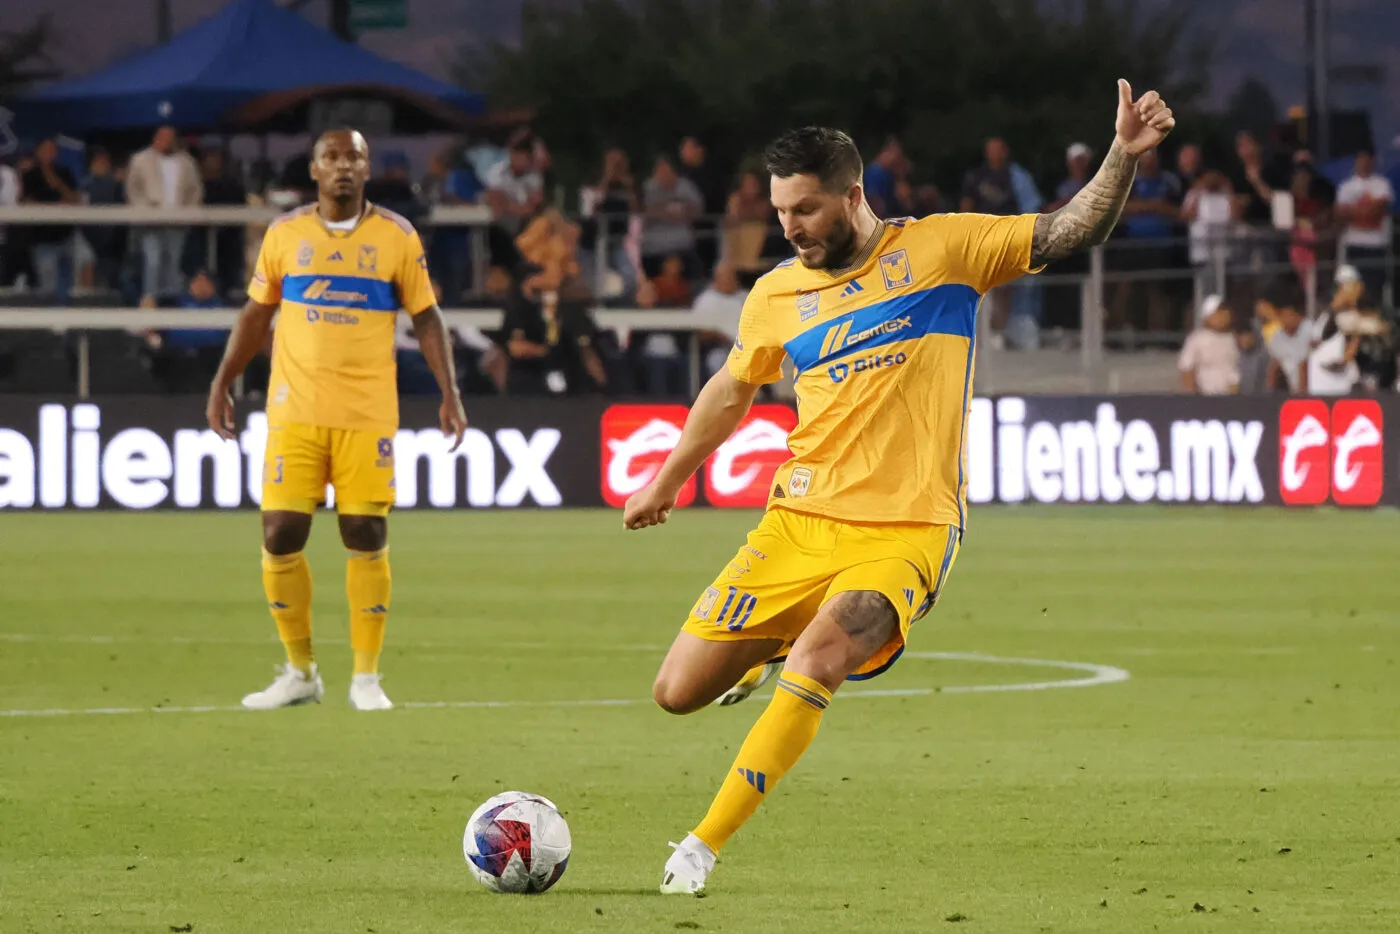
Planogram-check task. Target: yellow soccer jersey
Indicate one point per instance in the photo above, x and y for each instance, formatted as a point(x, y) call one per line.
point(340, 292)
point(884, 361)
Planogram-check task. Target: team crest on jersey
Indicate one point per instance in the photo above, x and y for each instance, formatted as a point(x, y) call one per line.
point(895, 268)
point(369, 259)
point(807, 303)
point(386, 453)
point(800, 481)
point(707, 603)
point(305, 253)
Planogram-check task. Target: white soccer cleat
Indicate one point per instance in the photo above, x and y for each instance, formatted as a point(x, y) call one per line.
point(291, 687)
point(366, 694)
point(750, 682)
point(689, 866)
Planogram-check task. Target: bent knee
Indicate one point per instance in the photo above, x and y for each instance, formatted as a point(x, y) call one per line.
point(674, 698)
point(828, 666)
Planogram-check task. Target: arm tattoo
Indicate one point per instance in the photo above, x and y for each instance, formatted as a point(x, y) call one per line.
point(1090, 216)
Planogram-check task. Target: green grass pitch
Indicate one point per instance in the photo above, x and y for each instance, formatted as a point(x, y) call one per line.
point(1245, 777)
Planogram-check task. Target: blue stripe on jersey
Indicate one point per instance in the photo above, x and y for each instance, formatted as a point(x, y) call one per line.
point(944, 309)
point(358, 292)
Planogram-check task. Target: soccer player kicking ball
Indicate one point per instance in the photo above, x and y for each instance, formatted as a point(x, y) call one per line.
point(864, 521)
point(339, 270)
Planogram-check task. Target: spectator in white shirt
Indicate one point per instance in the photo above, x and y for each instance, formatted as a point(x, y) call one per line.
point(166, 177)
point(1332, 369)
point(9, 195)
point(716, 316)
point(515, 193)
point(1346, 298)
point(1289, 341)
point(1364, 202)
point(1210, 358)
point(514, 188)
point(671, 202)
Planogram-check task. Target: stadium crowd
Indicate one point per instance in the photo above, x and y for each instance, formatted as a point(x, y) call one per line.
point(692, 235)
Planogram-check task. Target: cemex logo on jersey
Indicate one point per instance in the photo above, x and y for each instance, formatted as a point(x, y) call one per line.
point(740, 473)
point(636, 439)
point(1337, 450)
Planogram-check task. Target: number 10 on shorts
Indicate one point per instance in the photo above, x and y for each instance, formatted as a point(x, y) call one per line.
point(733, 613)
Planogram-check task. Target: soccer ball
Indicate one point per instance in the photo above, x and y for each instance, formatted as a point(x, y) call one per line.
point(517, 843)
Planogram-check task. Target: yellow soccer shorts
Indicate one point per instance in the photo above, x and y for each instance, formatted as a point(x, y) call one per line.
point(793, 563)
point(302, 459)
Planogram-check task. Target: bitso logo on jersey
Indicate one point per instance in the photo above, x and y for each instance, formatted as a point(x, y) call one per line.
point(895, 268)
point(1337, 450)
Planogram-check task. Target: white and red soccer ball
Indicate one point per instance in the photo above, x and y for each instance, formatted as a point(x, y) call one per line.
point(517, 843)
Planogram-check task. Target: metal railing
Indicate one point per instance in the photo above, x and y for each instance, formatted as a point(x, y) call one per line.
point(80, 321)
point(1106, 301)
point(475, 217)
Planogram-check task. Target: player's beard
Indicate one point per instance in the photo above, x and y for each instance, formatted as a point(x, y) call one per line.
point(839, 247)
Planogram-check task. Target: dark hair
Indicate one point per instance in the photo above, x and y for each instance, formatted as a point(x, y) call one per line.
point(1285, 293)
point(828, 154)
point(1365, 151)
point(340, 128)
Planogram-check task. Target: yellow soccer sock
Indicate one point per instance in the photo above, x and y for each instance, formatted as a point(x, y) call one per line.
point(368, 585)
point(287, 583)
point(774, 745)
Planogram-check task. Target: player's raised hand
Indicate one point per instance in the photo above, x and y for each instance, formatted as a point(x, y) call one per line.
point(453, 419)
point(1142, 123)
point(219, 412)
point(649, 506)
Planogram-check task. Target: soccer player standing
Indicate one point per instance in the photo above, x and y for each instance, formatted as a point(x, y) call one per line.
point(866, 518)
point(339, 270)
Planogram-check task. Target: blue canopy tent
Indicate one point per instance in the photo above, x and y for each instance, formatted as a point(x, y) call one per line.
point(252, 66)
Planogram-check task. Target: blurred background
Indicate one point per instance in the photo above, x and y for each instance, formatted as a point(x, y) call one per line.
point(586, 177)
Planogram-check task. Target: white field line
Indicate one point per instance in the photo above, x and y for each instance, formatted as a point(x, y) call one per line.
point(1095, 675)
